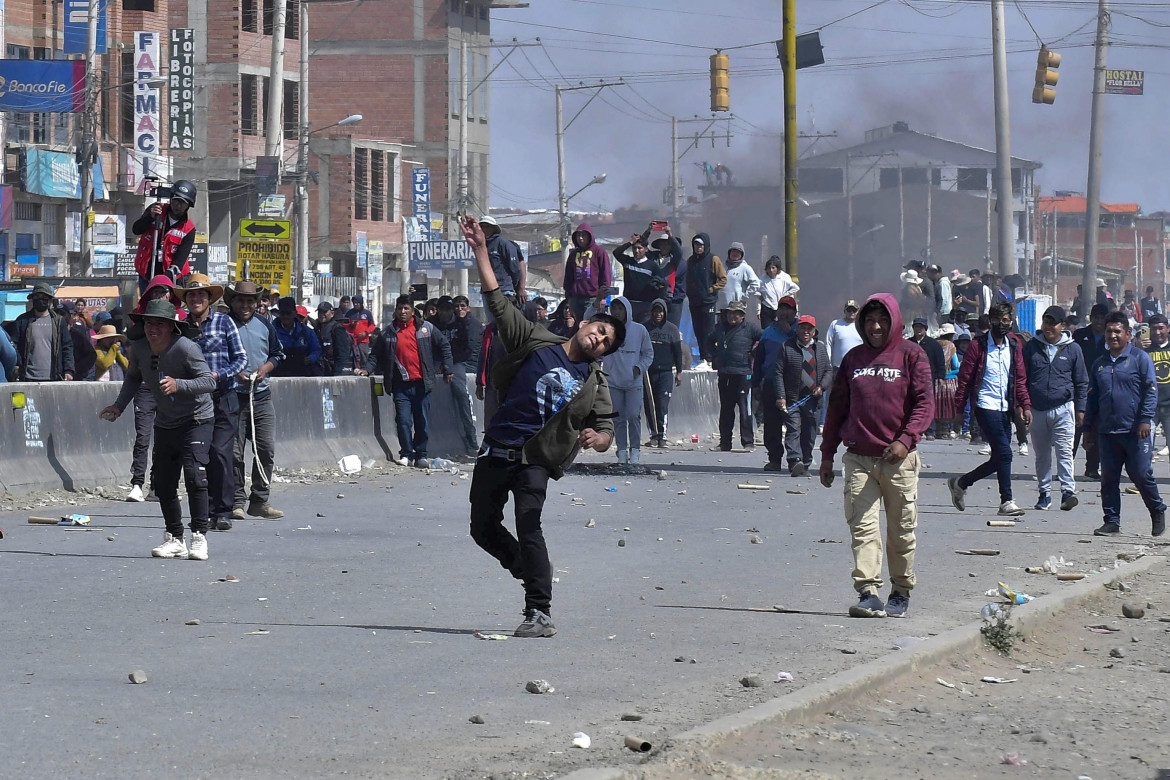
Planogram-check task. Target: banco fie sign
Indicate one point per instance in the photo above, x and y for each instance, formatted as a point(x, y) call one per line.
point(38, 85)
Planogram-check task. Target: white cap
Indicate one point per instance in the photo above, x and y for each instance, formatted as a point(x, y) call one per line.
point(487, 219)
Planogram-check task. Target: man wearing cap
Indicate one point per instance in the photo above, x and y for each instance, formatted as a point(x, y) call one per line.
point(166, 235)
point(302, 350)
point(1091, 340)
point(219, 340)
point(507, 261)
point(705, 277)
point(257, 415)
point(172, 366)
point(44, 347)
point(1058, 384)
point(800, 378)
point(742, 281)
point(731, 347)
point(934, 354)
point(842, 334)
point(648, 271)
point(464, 335)
point(408, 353)
point(337, 357)
point(767, 355)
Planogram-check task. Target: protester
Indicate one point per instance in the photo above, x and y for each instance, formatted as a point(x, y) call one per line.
point(945, 411)
point(665, 370)
point(563, 322)
point(172, 366)
point(993, 375)
point(843, 334)
point(934, 354)
point(767, 355)
point(508, 261)
point(555, 401)
point(1130, 308)
point(966, 297)
point(408, 353)
point(1104, 297)
point(302, 350)
point(1149, 305)
point(1159, 352)
point(44, 347)
point(731, 347)
point(84, 355)
point(166, 235)
point(880, 406)
point(535, 310)
point(1123, 400)
point(648, 272)
point(257, 414)
point(359, 312)
point(588, 270)
point(337, 349)
point(491, 351)
point(464, 334)
point(775, 285)
point(801, 376)
point(1091, 340)
point(943, 298)
point(111, 361)
point(344, 306)
point(742, 282)
point(1058, 386)
point(913, 300)
point(626, 368)
point(7, 358)
point(219, 340)
point(705, 277)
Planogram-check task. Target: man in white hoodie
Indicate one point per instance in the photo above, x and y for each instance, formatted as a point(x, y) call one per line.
point(626, 369)
point(742, 281)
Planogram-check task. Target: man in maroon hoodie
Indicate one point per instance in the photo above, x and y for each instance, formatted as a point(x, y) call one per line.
point(587, 271)
point(881, 404)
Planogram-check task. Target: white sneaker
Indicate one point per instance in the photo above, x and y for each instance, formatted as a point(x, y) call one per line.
point(172, 547)
point(702, 365)
point(985, 449)
point(635, 456)
point(403, 462)
point(1009, 509)
point(198, 549)
point(1024, 448)
point(136, 494)
point(1164, 451)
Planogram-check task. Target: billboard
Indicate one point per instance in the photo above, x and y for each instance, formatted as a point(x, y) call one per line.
point(77, 26)
point(181, 90)
point(1124, 82)
point(42, 85)
point(147, 130)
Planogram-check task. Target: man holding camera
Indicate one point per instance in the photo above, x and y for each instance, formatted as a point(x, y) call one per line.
point(166, 235)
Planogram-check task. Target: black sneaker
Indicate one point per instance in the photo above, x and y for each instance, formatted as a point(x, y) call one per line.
point(868, 606)
point(1107, 529)
point(1092, 474)
point(536, 624)
point(221, 524)
point(798, 470)
point(958, 494)
point(773, 466)
point(1068, 501)
point(898, 605)
point(1157, 523)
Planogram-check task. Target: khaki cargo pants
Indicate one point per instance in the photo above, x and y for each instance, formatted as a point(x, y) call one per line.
point(869, 481)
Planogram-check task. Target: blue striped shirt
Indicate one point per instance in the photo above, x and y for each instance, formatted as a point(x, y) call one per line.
point(222, 349)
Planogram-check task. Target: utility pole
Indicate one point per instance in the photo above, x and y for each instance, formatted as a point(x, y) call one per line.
point(1093, 191)
point(461, 191)
point(562, 190)
point(674, 200)
point(88, 144)
point(1003, 144)
point(790, 138)
point(274, 127)
point(304, 262)
point(677, 156)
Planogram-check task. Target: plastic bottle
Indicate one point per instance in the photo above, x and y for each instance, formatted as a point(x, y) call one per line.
point(443, 464)
point(990, 610)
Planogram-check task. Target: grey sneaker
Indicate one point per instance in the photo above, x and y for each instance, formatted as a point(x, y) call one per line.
point(1068, 501)
point(536, 624)
point(958, 494)
point(868, 606)
point(1009, 508)
point(237, 513)
point(265, 510)
point(898, 605)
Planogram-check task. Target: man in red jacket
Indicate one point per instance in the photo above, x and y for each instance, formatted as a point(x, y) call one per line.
point(994, 375)
point(881, 404)
point(166, 235)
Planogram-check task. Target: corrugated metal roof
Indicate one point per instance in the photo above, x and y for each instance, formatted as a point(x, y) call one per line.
point(1078, 204)
point(920, 148)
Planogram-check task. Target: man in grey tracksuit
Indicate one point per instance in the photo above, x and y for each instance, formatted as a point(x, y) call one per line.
point(1058, 384)
point(626, 369)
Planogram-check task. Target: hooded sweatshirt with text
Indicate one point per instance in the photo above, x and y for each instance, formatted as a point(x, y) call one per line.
point(879, 395)
point(587, 270)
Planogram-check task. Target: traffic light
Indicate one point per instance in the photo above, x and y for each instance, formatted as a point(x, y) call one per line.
point(720, 82)
point(1046, 76)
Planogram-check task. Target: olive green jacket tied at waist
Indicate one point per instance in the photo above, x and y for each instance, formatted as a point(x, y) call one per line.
point(555, 445)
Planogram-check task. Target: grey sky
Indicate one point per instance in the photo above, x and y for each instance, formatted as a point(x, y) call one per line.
point(923, 61)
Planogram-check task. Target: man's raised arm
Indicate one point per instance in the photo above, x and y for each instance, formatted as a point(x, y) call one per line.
point(474, 235)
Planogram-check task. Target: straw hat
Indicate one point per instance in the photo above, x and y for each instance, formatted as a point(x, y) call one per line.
point(199, 282)
point(910, 277)
point(109, 332)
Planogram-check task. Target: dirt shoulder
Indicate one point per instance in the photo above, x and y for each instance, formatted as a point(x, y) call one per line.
point(1085, 704)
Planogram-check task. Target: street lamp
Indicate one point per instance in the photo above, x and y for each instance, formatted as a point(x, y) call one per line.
point(302, 192)
point(852, 239)
point(566, 230)
point(925, 252)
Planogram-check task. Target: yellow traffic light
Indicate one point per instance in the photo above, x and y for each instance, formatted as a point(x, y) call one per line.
point(1046, 76)
point(720, 82)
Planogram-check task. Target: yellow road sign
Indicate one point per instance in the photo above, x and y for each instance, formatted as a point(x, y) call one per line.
point(265, 228)
point(267, 263)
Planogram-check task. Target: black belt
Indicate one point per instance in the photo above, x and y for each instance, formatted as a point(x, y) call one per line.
point(510, 454)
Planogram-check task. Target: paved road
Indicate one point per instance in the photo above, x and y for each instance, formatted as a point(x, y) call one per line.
point(347, 646)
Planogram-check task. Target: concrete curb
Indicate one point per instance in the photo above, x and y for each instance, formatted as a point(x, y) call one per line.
point(820, 697)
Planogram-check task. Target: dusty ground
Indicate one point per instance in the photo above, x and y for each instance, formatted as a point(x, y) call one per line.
point(1061, 716)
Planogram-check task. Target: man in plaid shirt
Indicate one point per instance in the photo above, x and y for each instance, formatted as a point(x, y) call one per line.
point(225, 355)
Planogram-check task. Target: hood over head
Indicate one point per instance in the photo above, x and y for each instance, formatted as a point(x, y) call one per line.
point(706, 239)
point(739, 247)
point(586, 229)
point(625, 304)
point(162, 280)
point(659, 304)
point(890, 304)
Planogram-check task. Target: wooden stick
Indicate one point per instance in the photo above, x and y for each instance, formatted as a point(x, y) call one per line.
point(747, 486)
point(1002, 523)
point(1070, 576)
point(34, 520)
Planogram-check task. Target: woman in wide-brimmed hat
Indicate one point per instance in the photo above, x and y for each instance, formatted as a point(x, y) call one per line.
point(111, 361)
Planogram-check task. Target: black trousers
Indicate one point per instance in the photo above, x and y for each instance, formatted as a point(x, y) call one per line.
point(221, 471)
point(1092, 453)
point(703, 323)
point(144, 407)
point(774, 421)
point(735, 393)
point(658, 401)
point(182, 449)
point(525, 554)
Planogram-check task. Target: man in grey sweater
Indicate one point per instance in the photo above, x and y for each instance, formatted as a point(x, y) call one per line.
point(172, 366)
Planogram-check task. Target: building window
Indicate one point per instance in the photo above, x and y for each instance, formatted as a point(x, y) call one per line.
point(888, 178)
point(292, 19)
point(472, 79)
point(41, 126)
point(126, 97)
point(248, 114)
point(971, 180)
point(292, 109)
point(262, 128)
point(361, 183)
point(391, 189)
point(26, 212)
point(377, 185)
point(1016, 174)
point(482, 91)
point(52, 232)
point(914, 176)
point(453, 87)
point(248, 21)
point(821, 179)
point(269, 16)
point(19, 52)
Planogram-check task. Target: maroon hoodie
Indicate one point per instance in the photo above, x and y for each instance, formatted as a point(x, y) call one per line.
point(587, 270)
point(879, 395)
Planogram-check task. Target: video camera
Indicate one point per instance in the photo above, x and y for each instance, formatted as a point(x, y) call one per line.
point(155, 191)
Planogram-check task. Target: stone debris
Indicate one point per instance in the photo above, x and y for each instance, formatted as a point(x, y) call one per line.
point(1117, 652)
point(621, 542)
point(581, 740)
point(756, 540)
point(477, 719)
point(194, 622)
point(138, 677)
point(631, 716)
point(591, 524)
point(539, 686)
point(662, 476)
point(750, 681)
point(1133, 611)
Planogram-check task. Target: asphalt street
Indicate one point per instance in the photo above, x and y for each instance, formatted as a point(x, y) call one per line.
point(346, 646)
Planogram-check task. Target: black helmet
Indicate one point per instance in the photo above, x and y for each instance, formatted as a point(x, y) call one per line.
point(185, 190)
